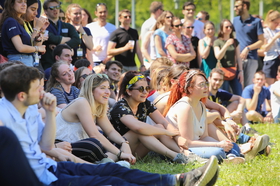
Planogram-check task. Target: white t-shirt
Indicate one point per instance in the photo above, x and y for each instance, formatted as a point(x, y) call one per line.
point(275, 100)
point(100, 36)
point(198, 28)
point(146, 26)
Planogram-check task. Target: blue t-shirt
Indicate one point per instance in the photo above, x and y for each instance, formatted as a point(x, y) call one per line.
point(163, 36)
point(10, 29)
point(248, 93)
point(247, 33)
point(222, 97)
point(63, 97)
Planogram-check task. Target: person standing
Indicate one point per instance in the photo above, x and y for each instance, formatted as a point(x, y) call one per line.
point(249, 33)
point(188, 12)
point(100, 31)
point(124, 44)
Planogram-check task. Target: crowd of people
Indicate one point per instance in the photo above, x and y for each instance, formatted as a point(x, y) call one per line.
point(78, 109)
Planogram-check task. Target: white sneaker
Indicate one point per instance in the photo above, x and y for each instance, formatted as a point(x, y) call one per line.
point(124, 164)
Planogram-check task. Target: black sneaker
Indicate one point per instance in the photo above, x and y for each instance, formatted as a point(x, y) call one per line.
point(205, 175)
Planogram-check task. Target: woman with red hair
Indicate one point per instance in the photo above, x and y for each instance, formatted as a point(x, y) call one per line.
point(186, 111)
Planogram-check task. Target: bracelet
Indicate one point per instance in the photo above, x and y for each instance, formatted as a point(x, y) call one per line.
point(248, 48)
point(35, 29)
point(36, 48)
point(119, 154)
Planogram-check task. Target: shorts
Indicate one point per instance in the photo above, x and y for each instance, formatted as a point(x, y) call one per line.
point(270, 67)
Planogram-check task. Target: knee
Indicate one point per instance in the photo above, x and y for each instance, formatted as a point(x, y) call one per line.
point(251, 115)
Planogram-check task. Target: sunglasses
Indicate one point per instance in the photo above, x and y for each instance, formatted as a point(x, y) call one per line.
point(189, 27)
point(177, 26)
point(190, 9)
point(99, 4)
point(127, 17)
point(102, 76)
point(84, 76)
point(62, 18)
point(228, 26)
point(168, 17)
point(141, 89)
point(198, 18)
point(54, 7)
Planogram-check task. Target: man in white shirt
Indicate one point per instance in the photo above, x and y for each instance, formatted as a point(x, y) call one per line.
point(100, 31)
point(188, 12)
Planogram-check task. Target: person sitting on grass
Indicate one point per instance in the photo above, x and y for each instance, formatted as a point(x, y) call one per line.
point(19, 112)
point(187, 113)
point(129, 115)
point(256, 95)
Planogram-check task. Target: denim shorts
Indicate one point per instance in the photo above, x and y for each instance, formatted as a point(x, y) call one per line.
point(27, 59)
point(270, 67)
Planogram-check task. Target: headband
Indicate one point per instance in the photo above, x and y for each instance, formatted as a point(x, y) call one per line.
point(134, 80)
point(189, 77)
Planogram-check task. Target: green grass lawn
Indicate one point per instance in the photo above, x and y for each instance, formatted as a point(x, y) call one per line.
point(261, 171)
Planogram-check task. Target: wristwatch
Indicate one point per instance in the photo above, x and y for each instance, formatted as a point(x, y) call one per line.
point(84, 33)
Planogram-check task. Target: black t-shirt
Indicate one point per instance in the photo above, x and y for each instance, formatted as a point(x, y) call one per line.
point(121, 37)
point(194, 63)
point(121, 108)
point(222, 97)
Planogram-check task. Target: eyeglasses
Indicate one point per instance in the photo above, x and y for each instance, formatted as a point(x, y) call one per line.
point(84, 76)
point(141, 89)
point(237, 6)
point(177, 26)
point(203, 85)
point(229, 27)
point(190, 9)
point(189, 27)
point(54, 7)
point(168, 17)
point(127, 17)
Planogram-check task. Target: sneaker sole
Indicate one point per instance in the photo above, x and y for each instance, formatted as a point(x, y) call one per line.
point(209, 172)
point(260, 144)
point(235, 160)
point(214, 179)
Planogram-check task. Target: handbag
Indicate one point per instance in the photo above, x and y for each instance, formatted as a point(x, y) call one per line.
point(3, 59)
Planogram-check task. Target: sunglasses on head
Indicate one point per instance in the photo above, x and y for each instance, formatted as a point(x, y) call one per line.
point(178, 25)
point(189, 27)
point(99, 4)
point(127, 17)
point(102, 76)
point(141, 89)
point(54, 7)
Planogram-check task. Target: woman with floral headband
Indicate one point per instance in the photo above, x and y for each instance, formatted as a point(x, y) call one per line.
point(77, 124)
point(128, 116)
point(185, 110)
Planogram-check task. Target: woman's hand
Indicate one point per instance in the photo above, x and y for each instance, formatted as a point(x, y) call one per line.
point(226, 145)
point(64, 145)
point(128, 157)
point(231, 134)
point(125, 148)
point(172, 133)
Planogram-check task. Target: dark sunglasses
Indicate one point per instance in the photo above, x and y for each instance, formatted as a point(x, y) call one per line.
point(84, 76)
point(168, 17)
point(178, 25)
point(189, 27)
point(190, 9)
point(127, 17)
point(54, 7)
point(141, 89)
point(198, 18)
point(62, 18)
point(99, 4)
point(228, 26)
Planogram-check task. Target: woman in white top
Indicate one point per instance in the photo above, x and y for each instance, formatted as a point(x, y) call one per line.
point(79, 119)
point(271, 46)
point(186, 111)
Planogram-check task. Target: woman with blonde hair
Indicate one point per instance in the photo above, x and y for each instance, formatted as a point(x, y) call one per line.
point(73, 16)
point(271, 46)
point(85, 119)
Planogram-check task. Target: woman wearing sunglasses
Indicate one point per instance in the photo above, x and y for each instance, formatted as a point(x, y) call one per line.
point(80, 76)
point(60, 84)
point(179, 47)
point(17, 43)
point(84, 121)
point(185, 110)
point(129, 115)
point(227, 51)
point(74, 17)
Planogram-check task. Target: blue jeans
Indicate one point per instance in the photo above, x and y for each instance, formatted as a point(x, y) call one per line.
point(75, 174)
point(234, 84)
point(28, 60)
point(207, 152)
point(243, 138)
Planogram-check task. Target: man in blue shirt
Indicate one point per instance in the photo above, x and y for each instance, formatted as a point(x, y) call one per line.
point(255, 96)
point(19, 112)
point(249, 33)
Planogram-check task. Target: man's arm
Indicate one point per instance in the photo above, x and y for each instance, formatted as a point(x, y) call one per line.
point(241, 102)
point(253, 46)
point(48, 102)
point(116, 51)
point(251, 104)
point(73, 34)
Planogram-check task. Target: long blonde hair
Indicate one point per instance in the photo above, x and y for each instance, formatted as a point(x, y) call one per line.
point(90, 83)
